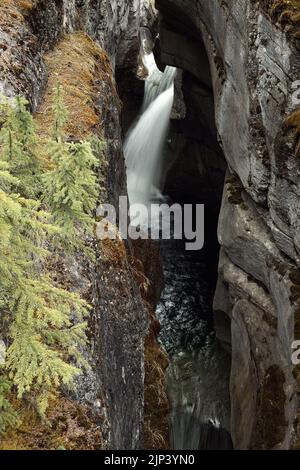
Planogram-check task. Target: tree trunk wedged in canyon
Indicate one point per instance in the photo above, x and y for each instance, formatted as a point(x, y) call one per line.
point(253, 61)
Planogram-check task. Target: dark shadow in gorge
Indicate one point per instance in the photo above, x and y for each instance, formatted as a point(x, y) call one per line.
point(198, 377)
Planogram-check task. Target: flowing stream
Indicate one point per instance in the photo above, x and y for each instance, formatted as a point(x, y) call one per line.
point(198, 376)
point(145, 142)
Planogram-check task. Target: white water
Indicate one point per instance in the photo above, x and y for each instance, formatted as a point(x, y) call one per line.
point(157, 83)
point(145, 142)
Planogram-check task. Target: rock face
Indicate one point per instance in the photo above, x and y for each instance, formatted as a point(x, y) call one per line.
point(30, 28)
point(34, 54)
point(253, 64)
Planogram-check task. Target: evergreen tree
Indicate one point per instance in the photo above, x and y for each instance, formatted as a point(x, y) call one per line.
point(47, 326)
point(71, 188)
point(60, 114)
point(47, 333)
point(19, 146)
point(8, 416)
point(46, 322)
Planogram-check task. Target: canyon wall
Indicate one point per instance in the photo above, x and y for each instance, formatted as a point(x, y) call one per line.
point(241, 59)
point(240, 62)
point(76, 42)
point(30, 28)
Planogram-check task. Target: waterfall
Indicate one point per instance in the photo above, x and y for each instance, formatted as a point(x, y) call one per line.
point(198, 375)
point(157, 83)
point(145, 142)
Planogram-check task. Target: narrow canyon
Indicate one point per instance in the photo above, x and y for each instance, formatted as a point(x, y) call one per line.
point(196, 103)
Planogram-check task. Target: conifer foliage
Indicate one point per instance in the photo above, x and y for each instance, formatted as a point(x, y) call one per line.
point(45, 323)
point(19, 146)
point(71, 188)
point(8, 416)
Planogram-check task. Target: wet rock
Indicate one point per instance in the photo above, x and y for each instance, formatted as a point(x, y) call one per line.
point(184, 308)
point(253, 65)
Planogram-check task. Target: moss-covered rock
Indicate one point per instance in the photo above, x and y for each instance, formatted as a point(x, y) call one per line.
point(70, 426)
point(285, 12)
point(35, 58)
point(79, 65)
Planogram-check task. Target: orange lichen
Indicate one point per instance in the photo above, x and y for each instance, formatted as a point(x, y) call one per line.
point(286, 11)
point(20, 4)
point(113, 251)
point(156, 426)
point(293, 121)
point(26, 4)
point(10, 13)
point(138, 273)
point(16, 8)
point(156, 408)
point(78, 64)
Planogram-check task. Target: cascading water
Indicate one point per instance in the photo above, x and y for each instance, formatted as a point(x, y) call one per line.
point(157, 81)
point(199, 371)
point(144, 145)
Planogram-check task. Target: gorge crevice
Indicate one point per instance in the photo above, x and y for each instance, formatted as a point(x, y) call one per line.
point(255, 314)
point(193, 170)
point(231, 102)
point(228, 314)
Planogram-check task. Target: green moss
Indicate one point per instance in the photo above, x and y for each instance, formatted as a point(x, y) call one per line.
point(285, 12)
point(70, 425)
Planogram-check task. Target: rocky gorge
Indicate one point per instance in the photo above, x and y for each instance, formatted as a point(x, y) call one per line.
point(252, 52)
point(232, 146)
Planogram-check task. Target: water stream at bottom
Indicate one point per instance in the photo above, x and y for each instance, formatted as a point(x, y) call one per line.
point(198, 376)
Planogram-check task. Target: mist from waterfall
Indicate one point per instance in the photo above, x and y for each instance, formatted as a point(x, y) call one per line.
point(145, 142)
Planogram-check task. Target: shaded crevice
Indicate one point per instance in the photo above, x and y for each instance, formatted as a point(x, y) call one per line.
point(195, 171)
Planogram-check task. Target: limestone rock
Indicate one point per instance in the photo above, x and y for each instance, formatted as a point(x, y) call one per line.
point(251, 67)
point(34, 54)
